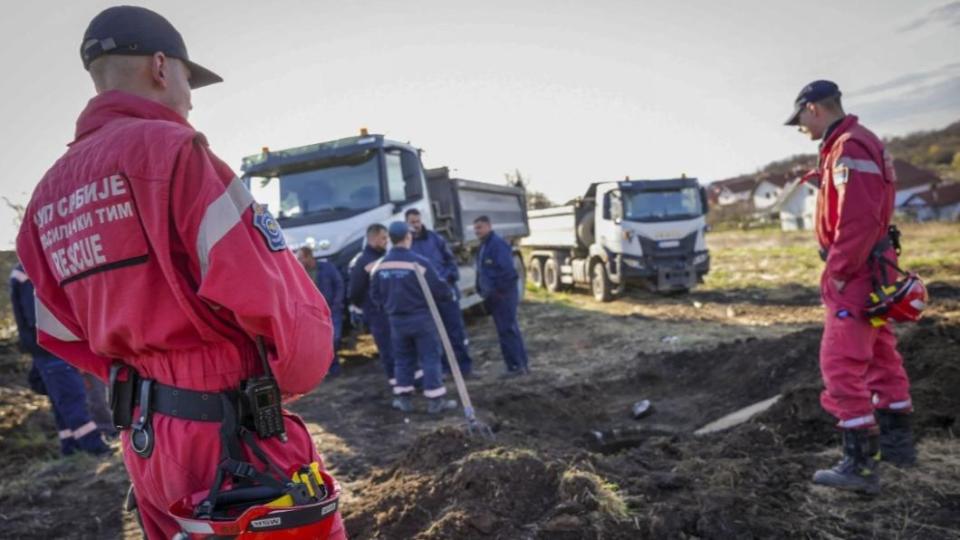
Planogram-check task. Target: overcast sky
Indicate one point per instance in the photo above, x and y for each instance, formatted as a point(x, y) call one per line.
point(566, 92)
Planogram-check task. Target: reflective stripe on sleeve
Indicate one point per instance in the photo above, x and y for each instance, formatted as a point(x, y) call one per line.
point(240, 195)
point(52, 326)
point(19, 275)
point(65, 434)
point(859, 165)
point(221, 216)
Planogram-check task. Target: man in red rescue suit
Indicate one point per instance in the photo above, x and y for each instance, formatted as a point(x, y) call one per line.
point(865, 385)
point(148, 253)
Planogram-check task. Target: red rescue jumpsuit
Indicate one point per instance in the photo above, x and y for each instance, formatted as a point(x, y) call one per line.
point(861, 367)
point(142, 246)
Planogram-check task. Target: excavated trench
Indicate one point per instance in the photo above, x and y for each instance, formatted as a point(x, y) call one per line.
point(570, 462)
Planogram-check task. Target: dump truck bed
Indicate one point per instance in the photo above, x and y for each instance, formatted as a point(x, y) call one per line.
point(457, 202)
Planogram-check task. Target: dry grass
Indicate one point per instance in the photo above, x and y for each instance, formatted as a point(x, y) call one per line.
point(771, 258)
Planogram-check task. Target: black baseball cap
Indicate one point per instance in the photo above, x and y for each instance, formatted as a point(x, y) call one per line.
point(137, 31)
point(812, 93)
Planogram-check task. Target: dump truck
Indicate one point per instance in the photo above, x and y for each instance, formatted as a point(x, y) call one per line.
point(645, 232)
point(325, 195)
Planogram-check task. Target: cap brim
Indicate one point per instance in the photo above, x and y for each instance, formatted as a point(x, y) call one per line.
point(795, 117)
point(201, 76)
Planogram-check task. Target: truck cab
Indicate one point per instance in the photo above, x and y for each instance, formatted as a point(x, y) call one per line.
point(648, 232)
point(653, 230)
point(325, 195)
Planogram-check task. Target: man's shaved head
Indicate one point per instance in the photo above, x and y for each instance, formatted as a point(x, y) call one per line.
point(111, 72)
point(156, 77)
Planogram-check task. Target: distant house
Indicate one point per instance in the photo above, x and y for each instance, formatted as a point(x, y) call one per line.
point(732, 190)
point(798, 204)
point(768, 190)
point(912, 180)
point(940, 203)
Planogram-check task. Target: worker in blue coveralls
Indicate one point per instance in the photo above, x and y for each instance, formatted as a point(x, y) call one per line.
point(497, 285)
point(63, 383)
point(394, 284)
point(363, 312)
point(432, 247)
point(330, 283)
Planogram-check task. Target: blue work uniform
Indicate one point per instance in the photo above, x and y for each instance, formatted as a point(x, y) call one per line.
point(497, 285)
point(395, 286)
point(63, 383)
point(330, 283)
point(432, 247)
point(373, 316)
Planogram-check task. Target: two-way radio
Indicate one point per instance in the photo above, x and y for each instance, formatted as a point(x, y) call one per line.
point(260, 404)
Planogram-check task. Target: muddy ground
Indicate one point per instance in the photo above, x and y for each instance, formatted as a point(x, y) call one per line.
point(548, 474)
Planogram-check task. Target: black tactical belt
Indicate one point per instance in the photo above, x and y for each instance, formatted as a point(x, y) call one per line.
point(154, 397)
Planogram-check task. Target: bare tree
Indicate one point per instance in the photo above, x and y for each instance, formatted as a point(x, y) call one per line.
point(18, 209)
point(535, 199)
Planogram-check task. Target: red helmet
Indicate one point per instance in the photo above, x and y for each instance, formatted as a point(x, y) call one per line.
point(904, 302)
point(263, 520)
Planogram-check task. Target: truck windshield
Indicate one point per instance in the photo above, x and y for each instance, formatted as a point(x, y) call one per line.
point(346, 185)
point(661, 205)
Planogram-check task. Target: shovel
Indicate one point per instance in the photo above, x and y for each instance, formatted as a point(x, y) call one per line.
point(474, 426)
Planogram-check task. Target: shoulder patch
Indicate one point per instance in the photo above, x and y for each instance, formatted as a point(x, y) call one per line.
point(272, 233)
point(840, 175)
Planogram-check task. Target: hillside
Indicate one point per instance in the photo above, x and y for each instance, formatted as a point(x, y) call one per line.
point(937, 150)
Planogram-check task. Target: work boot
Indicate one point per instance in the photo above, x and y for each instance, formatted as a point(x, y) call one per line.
point(857, 471)
point(403, 403)
point(896, 438)
point(440, 405)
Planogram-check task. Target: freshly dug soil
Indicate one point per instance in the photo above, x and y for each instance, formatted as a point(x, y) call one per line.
point(568, 460)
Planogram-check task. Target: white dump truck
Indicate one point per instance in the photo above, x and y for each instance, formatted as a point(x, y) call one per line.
point(325, 195)
point(648, 232)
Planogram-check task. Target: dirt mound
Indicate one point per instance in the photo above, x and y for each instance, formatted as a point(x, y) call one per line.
point(484, 491)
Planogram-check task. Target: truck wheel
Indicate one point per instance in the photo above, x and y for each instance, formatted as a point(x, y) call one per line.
point(600, 283)
point(536, 272)
point(551, 275)
point(521, 276)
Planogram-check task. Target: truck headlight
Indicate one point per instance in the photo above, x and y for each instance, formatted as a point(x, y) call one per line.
point(701, 258)
point(632, 263)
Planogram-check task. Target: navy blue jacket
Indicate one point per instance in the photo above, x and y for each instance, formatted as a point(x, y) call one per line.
point(330, 283)
point(432, 247)
point(495, 270)
point(359, 279)
point(21, 297)
point(395, 286)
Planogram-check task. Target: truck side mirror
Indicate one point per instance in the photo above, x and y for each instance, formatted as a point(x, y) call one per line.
point(703, 200)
